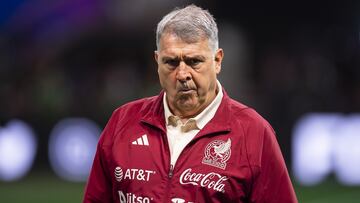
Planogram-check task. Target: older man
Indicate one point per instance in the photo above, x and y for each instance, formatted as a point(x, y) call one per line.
point(191, 143)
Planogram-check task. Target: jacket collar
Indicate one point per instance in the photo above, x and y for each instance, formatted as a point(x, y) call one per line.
point(221, 122)
point(153, 115)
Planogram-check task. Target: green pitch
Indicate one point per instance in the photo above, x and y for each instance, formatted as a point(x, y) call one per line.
point(47, 188)
point(329, 191)
point(41, 188)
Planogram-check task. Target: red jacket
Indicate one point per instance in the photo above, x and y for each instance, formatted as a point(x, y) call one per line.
point(234, 158)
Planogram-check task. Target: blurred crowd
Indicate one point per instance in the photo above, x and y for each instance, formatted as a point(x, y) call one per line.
point(84, 58)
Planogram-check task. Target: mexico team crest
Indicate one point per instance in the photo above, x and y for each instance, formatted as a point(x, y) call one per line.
point(217, 153)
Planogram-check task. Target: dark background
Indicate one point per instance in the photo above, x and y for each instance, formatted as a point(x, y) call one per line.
point(78, 58)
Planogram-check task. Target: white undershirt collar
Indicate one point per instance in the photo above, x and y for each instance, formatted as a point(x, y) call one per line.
point(205, 116)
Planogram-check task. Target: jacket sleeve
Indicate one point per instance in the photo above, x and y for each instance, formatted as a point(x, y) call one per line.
point(271, 183)
point(99, 187)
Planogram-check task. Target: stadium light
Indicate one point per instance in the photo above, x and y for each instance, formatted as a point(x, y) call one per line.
point(312, 148)
point(72, 148)
point(346, 149)
point(17, 150)
point(324, 143)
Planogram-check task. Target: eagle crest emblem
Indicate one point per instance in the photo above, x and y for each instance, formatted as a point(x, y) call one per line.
point(217, 153)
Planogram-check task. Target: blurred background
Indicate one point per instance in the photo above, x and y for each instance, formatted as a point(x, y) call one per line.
point(66, 65)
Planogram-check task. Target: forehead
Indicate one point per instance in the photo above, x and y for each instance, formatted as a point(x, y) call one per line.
point(170, 44)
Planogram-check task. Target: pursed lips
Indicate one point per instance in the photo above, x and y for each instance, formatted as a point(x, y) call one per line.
point(185, 91)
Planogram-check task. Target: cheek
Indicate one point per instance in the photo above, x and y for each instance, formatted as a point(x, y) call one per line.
point(167, 79)
point(205, 79)
point(206, 84)
point(163, 78)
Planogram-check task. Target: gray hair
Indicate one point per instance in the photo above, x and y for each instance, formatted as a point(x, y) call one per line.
point(190, 24)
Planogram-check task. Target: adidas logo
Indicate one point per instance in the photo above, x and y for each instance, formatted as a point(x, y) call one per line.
point(141, 141)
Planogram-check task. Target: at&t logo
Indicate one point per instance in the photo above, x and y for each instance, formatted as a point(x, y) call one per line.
point(118, 174)
point(132, 174)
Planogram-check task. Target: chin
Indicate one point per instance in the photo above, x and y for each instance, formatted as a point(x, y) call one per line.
point(188, 104)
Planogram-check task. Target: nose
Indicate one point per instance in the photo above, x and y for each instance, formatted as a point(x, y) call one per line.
point(183, 74)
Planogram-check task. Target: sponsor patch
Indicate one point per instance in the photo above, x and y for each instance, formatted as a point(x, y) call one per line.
point(131, 197)
point(210, 180)
point(133, 174)
point(118, 173)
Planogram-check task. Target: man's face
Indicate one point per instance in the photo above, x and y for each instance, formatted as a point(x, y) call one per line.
point(187, 73)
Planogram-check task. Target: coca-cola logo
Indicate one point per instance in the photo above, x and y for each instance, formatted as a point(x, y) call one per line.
point(210, 180)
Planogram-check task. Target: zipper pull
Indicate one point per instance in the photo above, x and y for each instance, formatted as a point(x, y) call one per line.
point(171, 171)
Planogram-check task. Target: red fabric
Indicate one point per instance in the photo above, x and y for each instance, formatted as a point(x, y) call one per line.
point(127, 168)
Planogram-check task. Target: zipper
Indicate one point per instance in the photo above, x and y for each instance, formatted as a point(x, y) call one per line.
point(171, 171)
point(170, 175)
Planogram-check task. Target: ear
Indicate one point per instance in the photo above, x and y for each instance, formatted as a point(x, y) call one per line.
point(156, 56)
point(219, 55)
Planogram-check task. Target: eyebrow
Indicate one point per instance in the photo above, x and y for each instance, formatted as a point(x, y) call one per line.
point(176, 58)
point(200, 57)
point(166, 58)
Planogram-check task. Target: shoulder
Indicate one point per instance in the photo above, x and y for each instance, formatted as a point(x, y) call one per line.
point(252, 127)
point(125, 115)
point(255, 130)
point(136, 107)
point(246, 116)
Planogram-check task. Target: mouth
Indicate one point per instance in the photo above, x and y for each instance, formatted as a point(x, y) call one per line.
point(186, 90)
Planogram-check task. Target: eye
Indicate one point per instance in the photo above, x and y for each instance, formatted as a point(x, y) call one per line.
point(193, 62)
point(172, 62)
